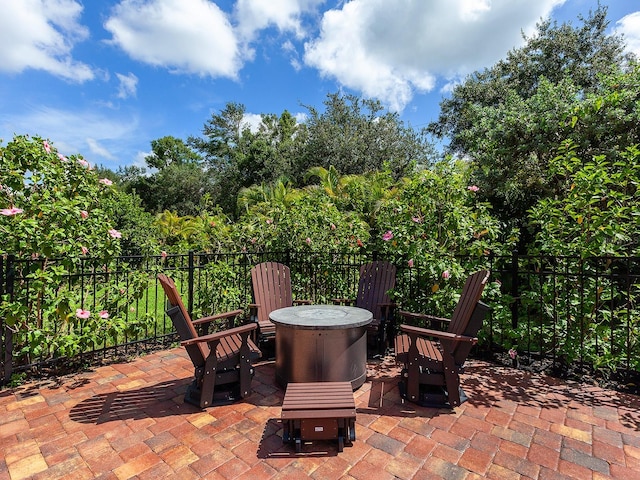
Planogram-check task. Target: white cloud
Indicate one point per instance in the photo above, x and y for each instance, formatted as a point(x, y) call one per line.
point(252, 120)
point(96, 149)
point(93, 135)
point(391, 50)
point(286, 15)
point(185, 36)
point(128, 85)
point(629, 27)
point(41, 34)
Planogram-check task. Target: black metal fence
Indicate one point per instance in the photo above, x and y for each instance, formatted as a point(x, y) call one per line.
point(554, 311)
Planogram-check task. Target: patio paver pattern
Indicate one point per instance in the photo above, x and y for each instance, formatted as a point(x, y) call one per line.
point(128, 420)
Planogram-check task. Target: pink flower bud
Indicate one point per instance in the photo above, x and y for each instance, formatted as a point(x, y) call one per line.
point(446, 274)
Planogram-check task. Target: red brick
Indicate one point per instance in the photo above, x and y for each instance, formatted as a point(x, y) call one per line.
point(544, 456)
point(233, 468)
point(476, 460)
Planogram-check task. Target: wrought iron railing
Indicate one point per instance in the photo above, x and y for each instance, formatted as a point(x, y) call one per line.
point(556, 311)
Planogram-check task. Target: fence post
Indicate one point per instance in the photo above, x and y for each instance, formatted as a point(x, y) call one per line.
point(6, 287)
point(190, 283)
point(515, 299)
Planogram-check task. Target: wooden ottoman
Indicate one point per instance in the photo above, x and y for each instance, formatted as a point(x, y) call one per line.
point(319, 411)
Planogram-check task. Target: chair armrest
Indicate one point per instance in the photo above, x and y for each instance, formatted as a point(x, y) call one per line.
point(218, 316)
point(388, 304)
point(302, 302)
point(425, 317)
point(426, 332)
point(219, 335)
point(343, 301)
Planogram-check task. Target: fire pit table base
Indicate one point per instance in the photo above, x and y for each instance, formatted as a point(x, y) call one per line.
point(319, 411)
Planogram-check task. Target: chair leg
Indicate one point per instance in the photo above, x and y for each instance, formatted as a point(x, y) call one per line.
point(452, 380)
point(209, 376)
point(245, 368)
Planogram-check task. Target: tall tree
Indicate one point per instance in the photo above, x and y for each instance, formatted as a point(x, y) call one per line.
point(509, 119)
point(357, 136)
point(239, 157)
point(180, 183)
point(170, 150)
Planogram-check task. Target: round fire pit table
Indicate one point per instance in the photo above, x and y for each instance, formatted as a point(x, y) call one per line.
point(321, 343)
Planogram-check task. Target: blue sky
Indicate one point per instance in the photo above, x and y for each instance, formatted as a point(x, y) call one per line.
point(104, 78)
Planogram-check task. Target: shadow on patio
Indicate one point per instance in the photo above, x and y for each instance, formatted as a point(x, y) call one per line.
point(129, 421)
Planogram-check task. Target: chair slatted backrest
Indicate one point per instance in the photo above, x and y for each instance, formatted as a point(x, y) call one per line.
point(469, 298)
point(182, 321)
point(468, 315)
point(376, 279)
point(271, 288)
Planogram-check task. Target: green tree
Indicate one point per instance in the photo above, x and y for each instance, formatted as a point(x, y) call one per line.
point(509, 118)
point(359, 194)
point(180, 183)
point(238, 157)
point(168, 151)
point(357, 136)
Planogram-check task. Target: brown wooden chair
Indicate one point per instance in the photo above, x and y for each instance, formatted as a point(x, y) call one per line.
point(377, 278)
point(432, 359)
point(271, 283)
point(222, 360)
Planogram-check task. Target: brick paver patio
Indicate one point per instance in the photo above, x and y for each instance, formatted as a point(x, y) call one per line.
point(129, 421)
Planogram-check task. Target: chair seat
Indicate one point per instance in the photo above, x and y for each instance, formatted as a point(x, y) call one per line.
point(229, 348)
point(429, 351)
point(267, 328)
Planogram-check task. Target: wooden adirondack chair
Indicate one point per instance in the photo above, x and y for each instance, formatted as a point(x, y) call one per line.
point(222, 360)
point(376, 279)
point(432, 359)
point(271, 290)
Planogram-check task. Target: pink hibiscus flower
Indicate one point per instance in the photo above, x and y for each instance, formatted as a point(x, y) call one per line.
point(80, 313)
point(8, 212)
point(388, 235)
point(104, 314)
point(115, 233)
